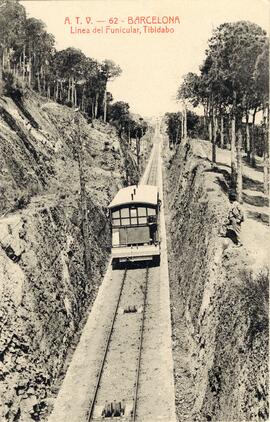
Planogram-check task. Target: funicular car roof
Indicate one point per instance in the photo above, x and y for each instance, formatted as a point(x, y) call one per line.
point(144, 194)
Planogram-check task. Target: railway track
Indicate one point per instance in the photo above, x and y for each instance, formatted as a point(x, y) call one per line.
point(121, 405)
point(152, 176)
point(118, 371)
point(124, 402)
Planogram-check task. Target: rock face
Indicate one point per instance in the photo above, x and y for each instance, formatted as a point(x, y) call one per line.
point(219, 308)
point(58, 174)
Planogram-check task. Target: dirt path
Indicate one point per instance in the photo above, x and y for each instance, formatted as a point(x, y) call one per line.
point(255, 233)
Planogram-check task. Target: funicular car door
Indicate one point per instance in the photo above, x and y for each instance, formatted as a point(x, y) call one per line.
point(137, 235)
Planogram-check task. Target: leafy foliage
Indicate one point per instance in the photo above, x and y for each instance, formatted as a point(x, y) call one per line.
point(233, 85)
point(29, 58)
point(174, 124)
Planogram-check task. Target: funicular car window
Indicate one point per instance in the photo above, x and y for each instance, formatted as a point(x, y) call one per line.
point(151, 211)
point(141, 211)
point(132, 216)
point(133, 212)
point(125, 221)
point(116, 214)
point(116, 222)
point(125, 213)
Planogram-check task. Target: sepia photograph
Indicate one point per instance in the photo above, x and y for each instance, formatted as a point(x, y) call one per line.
point(134, 210)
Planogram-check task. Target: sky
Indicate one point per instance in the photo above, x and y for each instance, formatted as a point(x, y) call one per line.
point(153, 65)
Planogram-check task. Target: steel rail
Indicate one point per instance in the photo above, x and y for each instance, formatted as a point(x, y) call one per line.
point(153, 171)
point(140, 349)
point(89, 417)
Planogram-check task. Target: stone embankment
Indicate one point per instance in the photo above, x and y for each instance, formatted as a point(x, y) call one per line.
point(58, 172)
point(219, 306)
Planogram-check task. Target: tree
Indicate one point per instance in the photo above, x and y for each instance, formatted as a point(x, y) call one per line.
point(193, 121)
point(261, 77)
point(12, 35)
point(190, 90)
point(174, 125)
point(119, 115)
point(234, 48)
point(39, 51)
point(119, 110)
point(28, 58)
point(109, 71)
point(92, 88)
point(69, 68)
point(227, 86)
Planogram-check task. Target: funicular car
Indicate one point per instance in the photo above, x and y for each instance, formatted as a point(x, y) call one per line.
point(134, 214)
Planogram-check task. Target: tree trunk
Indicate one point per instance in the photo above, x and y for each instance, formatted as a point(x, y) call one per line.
point(185, 123)
point(233, 144)
point(96, 105)
point(83, 99)
point(2, 66)
point(105, 106)
point(38, 82)
point(182, 124)
point(69, 89)
point(214, 139)
point(266, 173)
point(23, 73)
point(252, 144)
point(20, 65)
point(138, 150)
point(204, 118)
point(75, 96)
point(61, 90)
point(221, 130)
point(247, 137)
point(57, 91)
point(82, 103)
point(177, 134)
point(8, 59)
point(266, 169)
point(93, 109)
point(3, 59)
point(239, 180)
point(72, 92)
point(233, 153)
point(30, 71)
point(210, 128)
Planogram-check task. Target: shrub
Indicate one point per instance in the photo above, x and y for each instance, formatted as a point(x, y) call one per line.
point(12, 87)
point(255, 290)
point(22, 202)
